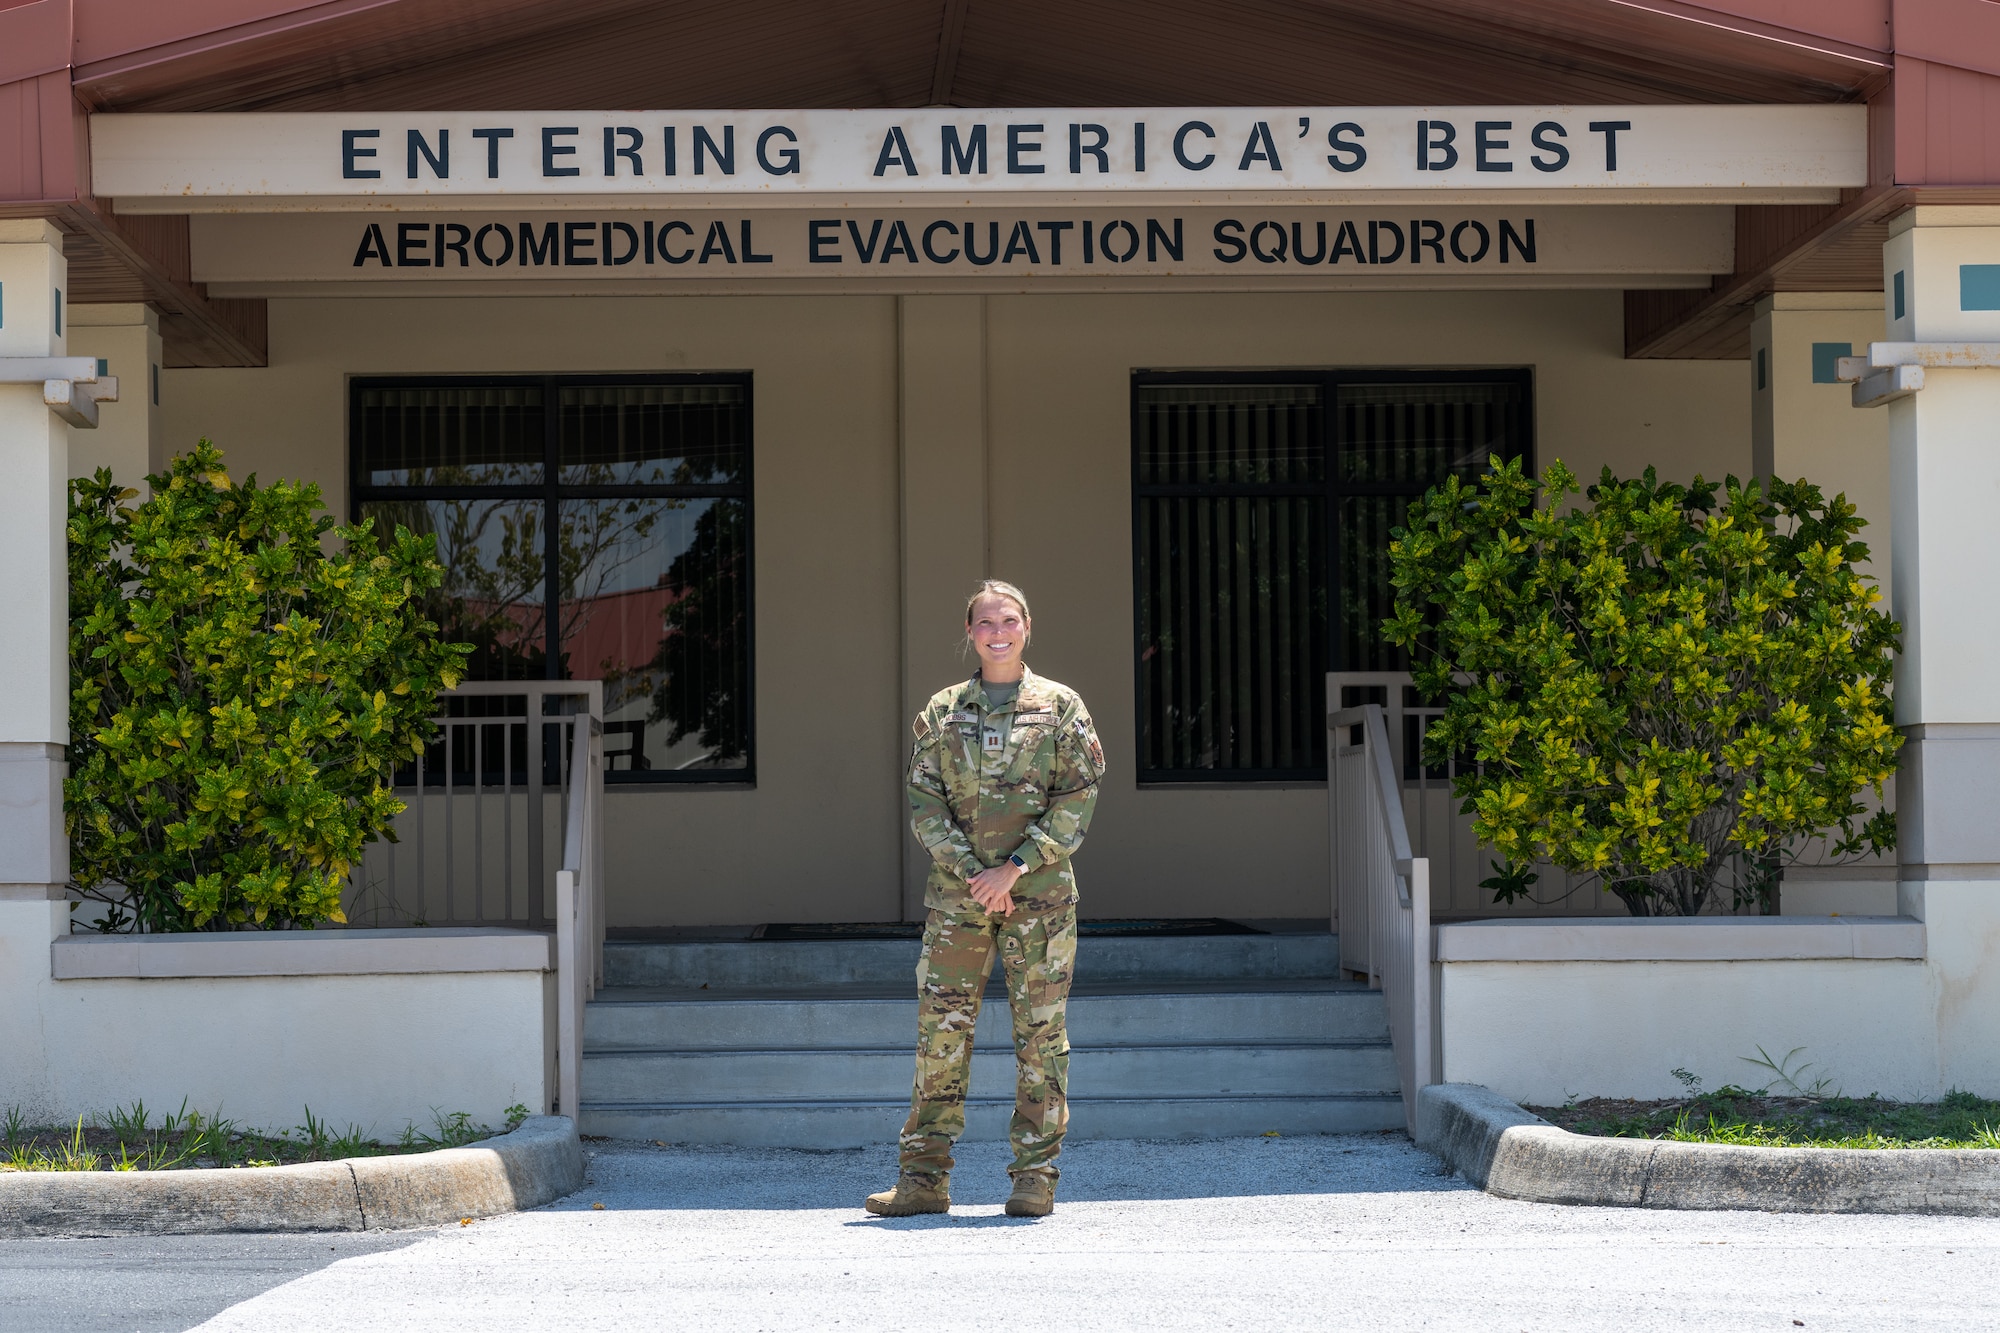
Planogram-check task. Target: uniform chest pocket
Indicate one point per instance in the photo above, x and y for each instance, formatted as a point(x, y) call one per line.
point(1034, 745)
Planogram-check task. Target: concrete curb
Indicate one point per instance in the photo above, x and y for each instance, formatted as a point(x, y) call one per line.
point(535, 1164)
point(1505, 1151)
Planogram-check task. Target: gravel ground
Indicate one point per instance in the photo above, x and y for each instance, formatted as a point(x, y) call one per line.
point(1344, 1232)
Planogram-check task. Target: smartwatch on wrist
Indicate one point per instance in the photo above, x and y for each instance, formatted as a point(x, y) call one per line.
point(1019, 864)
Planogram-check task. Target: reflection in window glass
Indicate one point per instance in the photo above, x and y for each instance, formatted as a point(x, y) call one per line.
point(654, 606)
point(628, 503)
point(495, 575)
point(664, 434)
point(1416, 435)
point(450, 435)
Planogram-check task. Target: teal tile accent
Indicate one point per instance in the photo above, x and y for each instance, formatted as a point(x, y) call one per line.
point(103, 366)
point(58, 312)
point(1763, 368)
point(1896, 302)
point(156, 386)
point(1826, 361)
point(3, 305)
point(1979, 286)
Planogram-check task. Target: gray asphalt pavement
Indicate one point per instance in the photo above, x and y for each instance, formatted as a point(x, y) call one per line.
point(1322, 1233)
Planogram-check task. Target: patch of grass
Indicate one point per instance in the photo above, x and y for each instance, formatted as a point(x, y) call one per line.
point(131, 1139)
point(1739, 1116)
point(447, 1131)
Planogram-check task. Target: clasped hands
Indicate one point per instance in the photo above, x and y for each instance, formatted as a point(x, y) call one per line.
point(993, 888)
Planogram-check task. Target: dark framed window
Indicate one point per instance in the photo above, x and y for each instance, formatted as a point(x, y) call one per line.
point(619, 502)
point(1262, 506)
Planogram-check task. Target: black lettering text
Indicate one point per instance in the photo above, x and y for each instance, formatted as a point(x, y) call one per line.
point(1299, 254)
point(538, 252)
point(506, 244)
point(1541, 138)
point(1458, 248)
point(1276, 254)
point(1260, 147)
point(1341, 140)
point(1021, 241)
point(623, 141)
point(705, 148)
point(373, 246)
point(1018, 144)
point(716, 243)
point(1055, 231)
point(1375, 230)
point(1078, 148)
point(440, 161)
point(895, 153)
point(413, 245)
point(1436, 135)
point(1523, 240)
point(1609, 129)
point(551, 150)
point(1180, 145)
point(351, 153)
point(898, 243)
point(787, 163)
point(930, 251)
point(451, 236)
point(1484, 145)
point(1426, 234)
point(631, 236)
point(817, 240)
point(1229, 232)
point(967, 156)
point(493, 135)
point(685, 230)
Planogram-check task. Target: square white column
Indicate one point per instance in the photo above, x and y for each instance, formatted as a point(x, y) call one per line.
point(125, 338)
point(34, 596)
point(1942, 285)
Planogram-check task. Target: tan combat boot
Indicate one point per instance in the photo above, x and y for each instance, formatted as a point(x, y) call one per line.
point(1034, 1195)
point(913, 1195)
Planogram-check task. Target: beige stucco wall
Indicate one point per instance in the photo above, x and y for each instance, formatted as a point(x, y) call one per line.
point(850, 622)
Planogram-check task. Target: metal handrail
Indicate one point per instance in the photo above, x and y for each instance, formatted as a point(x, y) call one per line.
point(474, 843)
point(1381, 890)
point(579, 895)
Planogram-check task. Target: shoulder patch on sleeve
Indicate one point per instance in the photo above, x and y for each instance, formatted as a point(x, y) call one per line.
point(922, 725)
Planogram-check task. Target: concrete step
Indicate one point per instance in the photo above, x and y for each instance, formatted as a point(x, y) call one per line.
point(656, 1019)
point(869, 1124)
point(1238, 1070)
point(788, 964)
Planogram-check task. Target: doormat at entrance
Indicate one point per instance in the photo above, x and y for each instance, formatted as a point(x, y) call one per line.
point(893, 930)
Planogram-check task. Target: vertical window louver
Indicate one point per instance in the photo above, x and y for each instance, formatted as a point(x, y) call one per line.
point(1262, 513)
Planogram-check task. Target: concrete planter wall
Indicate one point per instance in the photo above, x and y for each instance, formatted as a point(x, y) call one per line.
point(1541, 1011)
point(368, 1027)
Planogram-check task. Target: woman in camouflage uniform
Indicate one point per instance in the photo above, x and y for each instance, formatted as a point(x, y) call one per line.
point(1003, 779)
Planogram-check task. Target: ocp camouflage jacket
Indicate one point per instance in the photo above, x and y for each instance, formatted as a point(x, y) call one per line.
point(1032, 798)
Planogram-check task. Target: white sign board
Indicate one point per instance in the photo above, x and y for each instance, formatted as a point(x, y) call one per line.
point(191, 162)
point(902, 244)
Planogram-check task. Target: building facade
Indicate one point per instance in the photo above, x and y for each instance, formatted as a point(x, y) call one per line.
point(1163, 317)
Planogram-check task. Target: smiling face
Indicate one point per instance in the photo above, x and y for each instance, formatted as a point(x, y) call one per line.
point(999, 632)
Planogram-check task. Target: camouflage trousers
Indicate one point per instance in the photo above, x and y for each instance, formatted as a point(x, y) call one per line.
point(1038, 954)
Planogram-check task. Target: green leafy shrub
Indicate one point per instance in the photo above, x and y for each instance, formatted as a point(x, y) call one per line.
point(1673, 689)
point(239, 697)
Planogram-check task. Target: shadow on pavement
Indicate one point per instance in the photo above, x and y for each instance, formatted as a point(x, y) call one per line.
point(160, 1284)
point(637, 1176)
